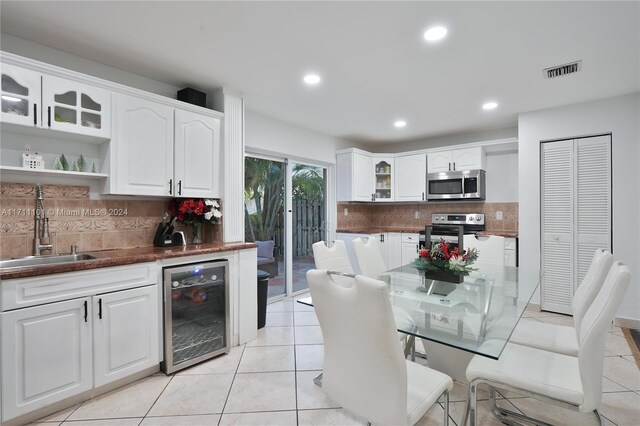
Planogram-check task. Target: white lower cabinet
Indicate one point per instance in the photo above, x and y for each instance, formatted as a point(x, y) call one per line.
point(410, 244)
point(46, 355)
point(393, 247)
point(125, 333)
point(54, 351)
point(510, 252)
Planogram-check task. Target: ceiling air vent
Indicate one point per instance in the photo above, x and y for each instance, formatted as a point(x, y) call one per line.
point(561, 70)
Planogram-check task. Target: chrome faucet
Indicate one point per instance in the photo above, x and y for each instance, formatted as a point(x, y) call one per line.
point(40, 220)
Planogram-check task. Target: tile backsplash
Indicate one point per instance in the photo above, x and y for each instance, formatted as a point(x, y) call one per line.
point(392, 216)
point(75, 219)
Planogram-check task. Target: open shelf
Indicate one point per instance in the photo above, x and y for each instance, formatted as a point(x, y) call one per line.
point(48, 172)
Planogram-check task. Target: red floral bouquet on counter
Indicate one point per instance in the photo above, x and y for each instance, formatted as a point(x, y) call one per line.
point(194, 212)
point(440, 257)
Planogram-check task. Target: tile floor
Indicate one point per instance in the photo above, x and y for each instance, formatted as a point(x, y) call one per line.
point(269, 381)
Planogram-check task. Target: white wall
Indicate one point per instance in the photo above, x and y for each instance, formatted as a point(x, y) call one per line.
point(502, 177)
point(263, 133)
point(619, 116)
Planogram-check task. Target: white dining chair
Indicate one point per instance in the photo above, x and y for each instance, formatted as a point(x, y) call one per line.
point(561, 338)
point(334, 258)
point(490, 249)
point(369, 256)
point(364, 369)
point(568, 381)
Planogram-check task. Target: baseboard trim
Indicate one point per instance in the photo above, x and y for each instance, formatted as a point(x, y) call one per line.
point(627, 322)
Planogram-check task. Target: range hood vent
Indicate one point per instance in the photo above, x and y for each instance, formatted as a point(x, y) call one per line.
point(561, 70)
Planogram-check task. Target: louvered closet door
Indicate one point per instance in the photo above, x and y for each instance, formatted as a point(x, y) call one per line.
point(557, 195)
point(593, 198)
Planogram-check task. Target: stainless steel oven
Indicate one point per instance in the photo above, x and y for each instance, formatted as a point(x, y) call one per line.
point(196, 313)
point(441, 227)
point(456, 185)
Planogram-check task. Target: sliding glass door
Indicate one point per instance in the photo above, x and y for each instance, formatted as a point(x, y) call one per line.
point(285, 213)
point(264, 218)
point(308, 219)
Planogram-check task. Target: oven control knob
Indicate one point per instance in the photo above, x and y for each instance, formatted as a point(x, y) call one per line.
point(471, 219)
point(175, 284)
point(478, 217)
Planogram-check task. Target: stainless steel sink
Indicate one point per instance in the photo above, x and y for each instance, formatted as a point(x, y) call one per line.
point(44, 260)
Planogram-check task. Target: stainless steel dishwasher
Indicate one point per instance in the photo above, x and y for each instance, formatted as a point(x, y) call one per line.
point(196, 313)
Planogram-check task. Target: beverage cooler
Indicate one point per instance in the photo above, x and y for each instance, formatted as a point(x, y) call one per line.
point(196, 313)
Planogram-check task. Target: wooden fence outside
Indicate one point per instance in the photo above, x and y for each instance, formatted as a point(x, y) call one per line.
point(309, 226)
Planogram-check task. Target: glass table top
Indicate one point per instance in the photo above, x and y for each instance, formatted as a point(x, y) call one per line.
point(477, 315)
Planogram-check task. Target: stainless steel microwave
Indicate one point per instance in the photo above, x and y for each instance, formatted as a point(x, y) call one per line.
point(456, 185)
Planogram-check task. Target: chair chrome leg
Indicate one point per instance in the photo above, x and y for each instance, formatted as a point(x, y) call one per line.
point(598, 416)
point(465, 414)
point(446, 408)
point(473, 402)
point(318, 380)
point(413, 349)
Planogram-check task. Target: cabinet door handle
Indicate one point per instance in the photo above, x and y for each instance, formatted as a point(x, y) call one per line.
point(86, 311)
point(382, 238)
point(449, 166)
point(35, 114)
point(49, 116)
point(170, 186)
point(180, 187)
point(100, 308)
point(454, 166)
point(422, 195)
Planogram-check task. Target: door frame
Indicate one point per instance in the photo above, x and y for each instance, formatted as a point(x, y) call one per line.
point(330, 213)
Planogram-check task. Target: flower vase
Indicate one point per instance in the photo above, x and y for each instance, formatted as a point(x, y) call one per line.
point(444, 275)
point(197, 233)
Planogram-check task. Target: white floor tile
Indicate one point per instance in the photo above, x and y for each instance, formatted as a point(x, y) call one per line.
point(60, 416)
point(309, 335)
point(617, 345)
point(262, 359)
point(273, 336)
point(309, 357)
point(253, 392)
point(328, 417)
point(558, 319)
point(310, 395)
point(553, 414)
point(279, 319)
point(305, 318)
point(133, 400)
point(193, 394)
point(285, 305)
point(622, 372)
point(485, 417)
point(219, 365)
point(621, 408)
point(276, 418)
point(206, 420)
point(131, 421)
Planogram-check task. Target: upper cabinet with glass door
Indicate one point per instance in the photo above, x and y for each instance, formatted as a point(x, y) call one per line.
point(383, 178)
point(20, 96)
point(34, 99)
point(76, 107)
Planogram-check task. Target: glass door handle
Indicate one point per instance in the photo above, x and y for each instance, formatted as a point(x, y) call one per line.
point(35, 114)
point(49, 116)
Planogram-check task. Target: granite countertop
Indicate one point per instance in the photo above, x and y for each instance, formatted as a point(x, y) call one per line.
point(414, 230)
point(106, 258)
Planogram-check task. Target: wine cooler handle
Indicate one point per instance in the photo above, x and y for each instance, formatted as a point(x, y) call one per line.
point(86, 311)
point(49, 116)
point(35, 114)
point(100, 308)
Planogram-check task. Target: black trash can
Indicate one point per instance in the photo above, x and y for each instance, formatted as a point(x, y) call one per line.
point(263, 287)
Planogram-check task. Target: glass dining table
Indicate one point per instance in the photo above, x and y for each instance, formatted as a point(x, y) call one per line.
point(476, 316)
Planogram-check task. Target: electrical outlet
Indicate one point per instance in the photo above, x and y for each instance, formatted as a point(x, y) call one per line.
point(345, 211)
point(499, 215)
point(417, 214)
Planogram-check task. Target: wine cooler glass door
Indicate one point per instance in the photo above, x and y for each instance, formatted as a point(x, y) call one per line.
point(196, 314)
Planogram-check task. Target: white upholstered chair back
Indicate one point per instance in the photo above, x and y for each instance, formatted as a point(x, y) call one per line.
point(593, 333)
point(369, 256)
point(490, 249)
point(364, 368)
point(590, 285)
point(334, 258)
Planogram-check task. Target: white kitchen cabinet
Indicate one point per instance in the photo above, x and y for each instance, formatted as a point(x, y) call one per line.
point(125, 333)
point(197, 155)
point(143, 147)
point(510, 252)
point(21, 97)
point(410, 177)
point(458, 159)
point(46, 355)
point(383, 246)
point(393, 248)
point(75, 107)
point(34, 99)
point(354, 176)
point(410, 244)
point(383, 178)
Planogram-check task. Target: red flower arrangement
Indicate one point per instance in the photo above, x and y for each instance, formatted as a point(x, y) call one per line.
point(194, 212)
point(440, 257)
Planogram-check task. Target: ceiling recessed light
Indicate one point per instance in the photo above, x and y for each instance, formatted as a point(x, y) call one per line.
point(400, 123)
point(312, 79)
point(490, 105)
point(435, 33)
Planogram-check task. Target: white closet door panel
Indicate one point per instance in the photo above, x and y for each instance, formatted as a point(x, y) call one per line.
point(557, 226)
point(593, 198)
